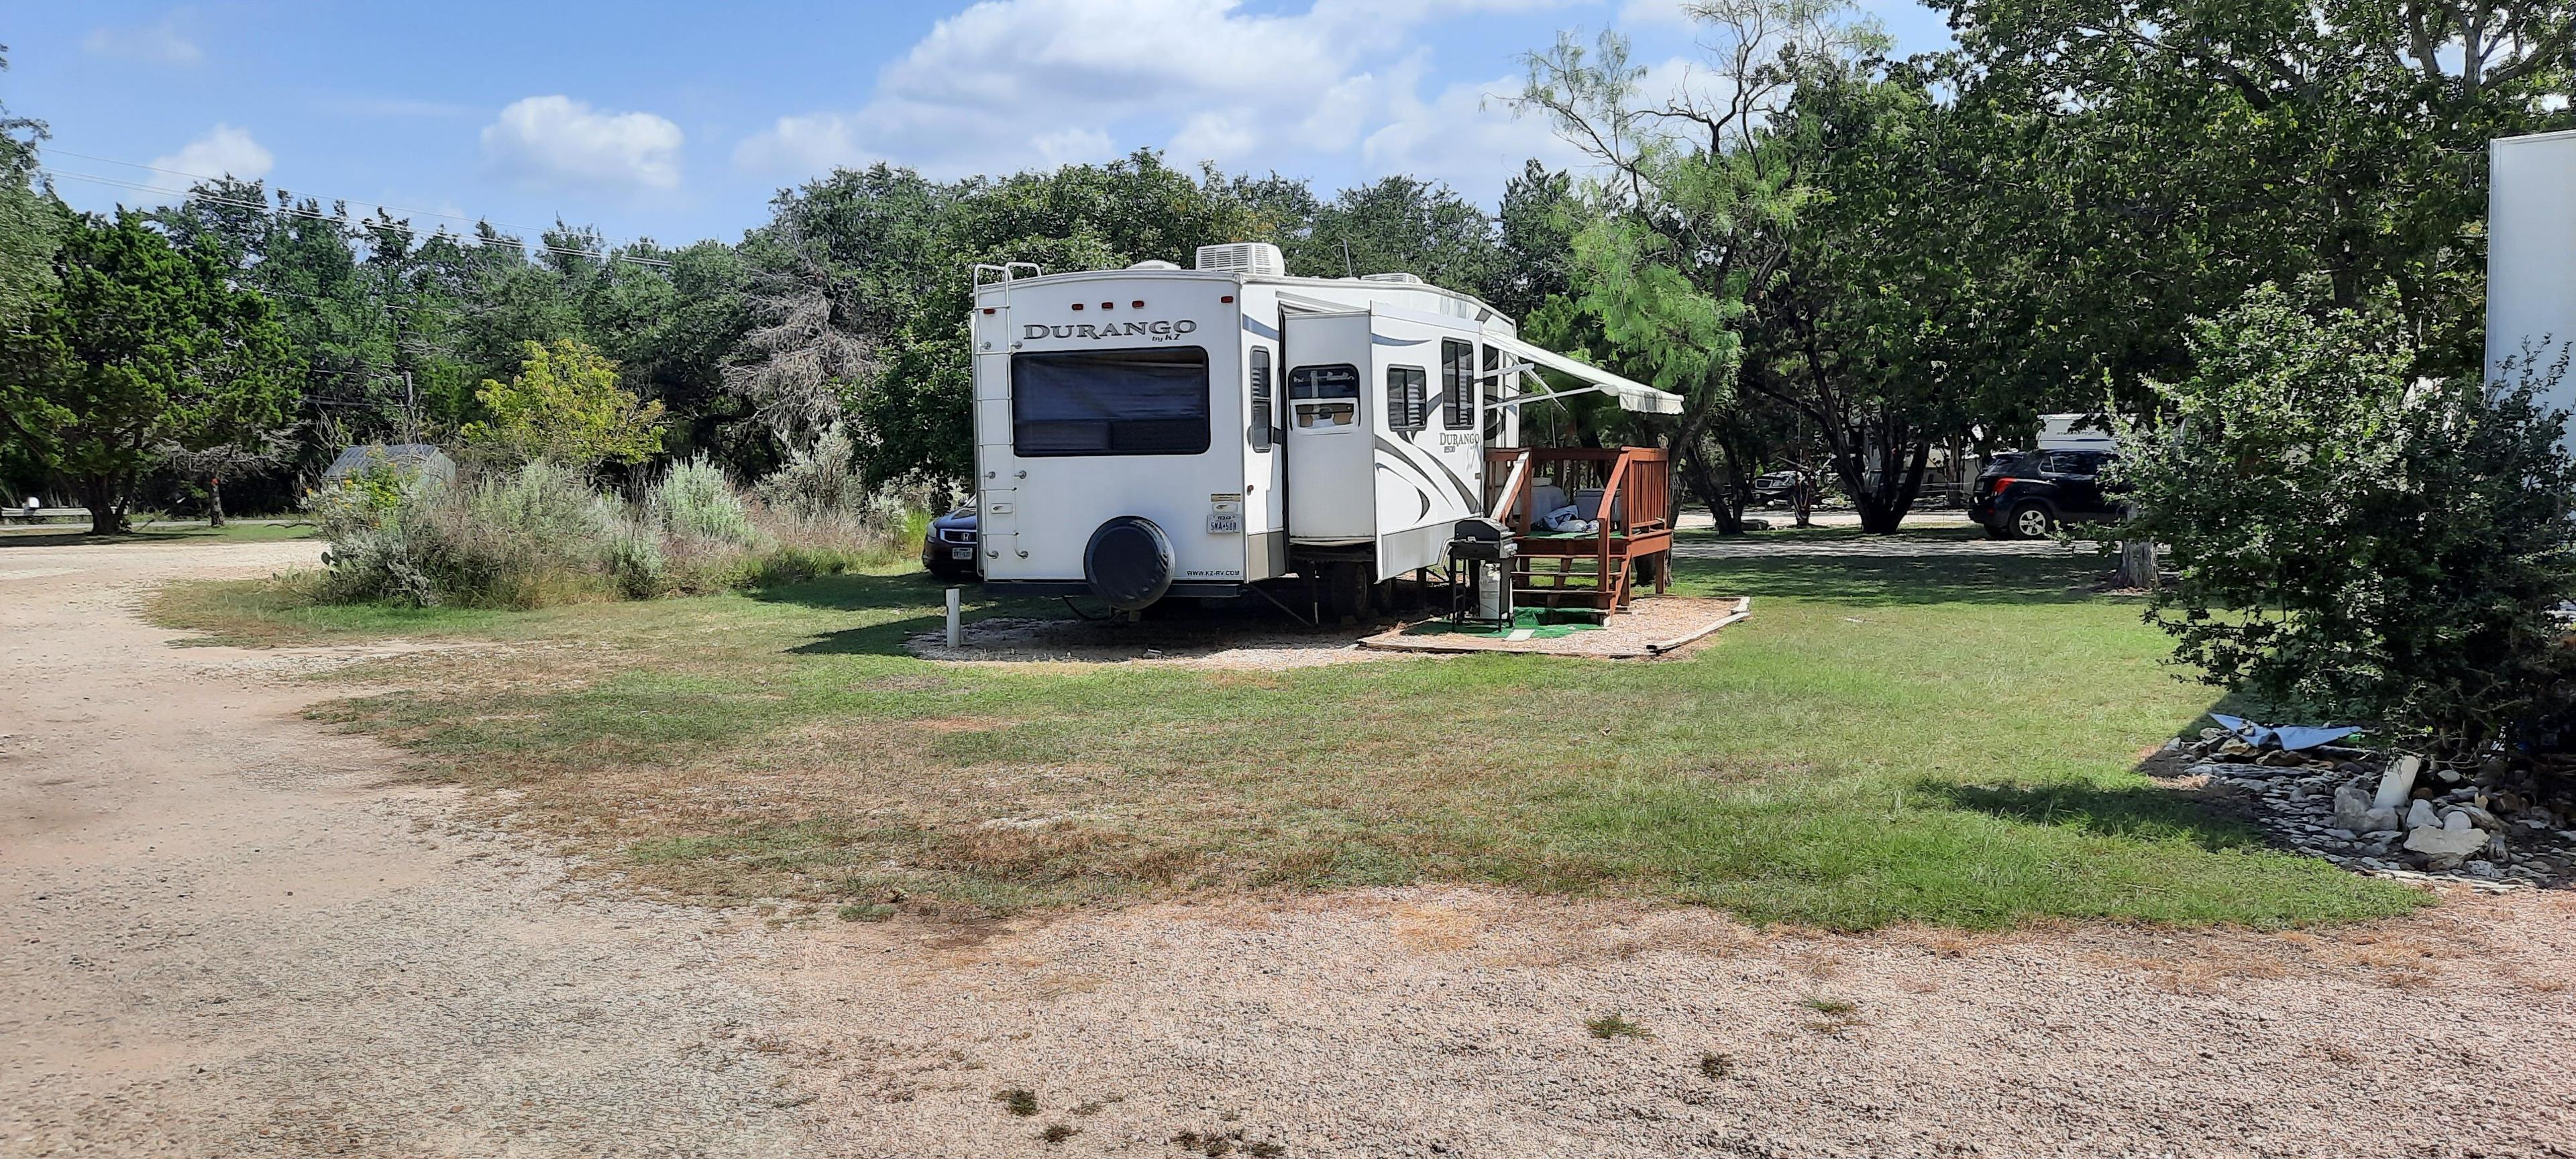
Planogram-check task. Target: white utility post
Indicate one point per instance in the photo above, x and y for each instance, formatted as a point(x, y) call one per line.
point(953, 631)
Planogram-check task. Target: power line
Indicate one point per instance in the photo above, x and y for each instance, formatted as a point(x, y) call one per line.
point(467, 240)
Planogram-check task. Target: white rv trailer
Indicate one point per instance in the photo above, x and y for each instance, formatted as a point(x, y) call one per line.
point(2531, 252)
point(1155, 431)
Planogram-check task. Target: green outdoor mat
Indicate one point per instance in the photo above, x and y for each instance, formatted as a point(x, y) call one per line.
point(1540, 623)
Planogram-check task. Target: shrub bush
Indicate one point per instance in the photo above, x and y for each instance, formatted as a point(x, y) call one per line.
point(540, 534)
point(820, 481)
point(2353, 542)
point(694, 499)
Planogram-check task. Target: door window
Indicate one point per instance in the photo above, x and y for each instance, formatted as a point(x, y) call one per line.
point(1327, 415)
point(1324, 398)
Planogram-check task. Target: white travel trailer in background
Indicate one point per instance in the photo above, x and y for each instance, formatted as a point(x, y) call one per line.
point(2531, 251)
point(1155, 431)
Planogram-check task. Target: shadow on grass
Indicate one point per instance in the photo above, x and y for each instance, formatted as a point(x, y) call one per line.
point(2003, 579)
point(856, 592)
point(2144, 812)
point(884, 639)
point(71, 537)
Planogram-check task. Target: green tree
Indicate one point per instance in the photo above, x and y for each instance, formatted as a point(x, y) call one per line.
point(142, 350)
point(565, 407)
point(1692, 213)
point(1280, 210)
point(671, 327)
point(1400, 224)
point(2207, 146)
point(2354, 541)
point(1904, 313)
point(1535, 229)
point(845, 265)
point(31, 222)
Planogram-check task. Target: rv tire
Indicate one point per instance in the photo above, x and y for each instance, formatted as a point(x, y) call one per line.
point(1347, 591)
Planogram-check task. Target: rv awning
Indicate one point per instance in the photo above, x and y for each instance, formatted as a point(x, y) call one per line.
point(1632, 395)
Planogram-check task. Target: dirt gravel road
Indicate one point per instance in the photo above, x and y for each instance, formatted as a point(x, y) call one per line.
point(228, 933)
point(225, 932)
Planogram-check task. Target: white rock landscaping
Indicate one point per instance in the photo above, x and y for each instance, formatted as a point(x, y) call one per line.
point(2484, 827)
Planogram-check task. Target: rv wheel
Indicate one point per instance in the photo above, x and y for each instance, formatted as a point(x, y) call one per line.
point(1128, 563)
point(1346, 590)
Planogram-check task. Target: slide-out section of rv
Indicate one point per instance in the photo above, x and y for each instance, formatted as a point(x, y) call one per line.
point(1156, 432)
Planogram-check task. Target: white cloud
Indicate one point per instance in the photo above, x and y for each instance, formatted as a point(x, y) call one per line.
point(1637, 13)
point(224, 151)
point(163, 41)
point(1008, 84)
point(558, 141)
point(1466, 136)
point(1214, 135)
point(805, 144)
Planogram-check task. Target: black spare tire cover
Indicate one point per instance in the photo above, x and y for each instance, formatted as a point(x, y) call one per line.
point(1128, 562)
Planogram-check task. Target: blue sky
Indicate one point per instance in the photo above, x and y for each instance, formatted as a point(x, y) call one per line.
point(678, 122)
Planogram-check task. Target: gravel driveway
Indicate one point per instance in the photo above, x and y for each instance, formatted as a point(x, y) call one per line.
point(228, 933)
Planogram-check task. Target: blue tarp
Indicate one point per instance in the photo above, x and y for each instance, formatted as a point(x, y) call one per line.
point(2293, 737)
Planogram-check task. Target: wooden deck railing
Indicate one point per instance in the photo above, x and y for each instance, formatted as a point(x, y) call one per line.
point(1634, 512)
point(1635, 483)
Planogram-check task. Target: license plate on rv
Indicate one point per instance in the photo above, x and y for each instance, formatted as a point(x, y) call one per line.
point(1225, 523)
point(961, 553)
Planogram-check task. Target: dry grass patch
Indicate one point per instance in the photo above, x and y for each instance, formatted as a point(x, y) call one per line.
point(1435, 929)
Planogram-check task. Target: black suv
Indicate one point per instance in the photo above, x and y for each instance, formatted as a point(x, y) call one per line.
point(2026, 494)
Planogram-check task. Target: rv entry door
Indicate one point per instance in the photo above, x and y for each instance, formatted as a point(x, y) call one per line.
point(1331, 501)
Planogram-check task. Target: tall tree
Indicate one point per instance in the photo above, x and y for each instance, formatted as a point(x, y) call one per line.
point(143, 349)
point(1690, 216)
point(1535, 229)
point(31, 223)
point(2214, 145)
point(844, 264)
point(30, 219)
point(1400, 224)
point(1904, 313)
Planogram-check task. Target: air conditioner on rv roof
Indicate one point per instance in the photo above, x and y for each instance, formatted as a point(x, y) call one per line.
point(1251, 257)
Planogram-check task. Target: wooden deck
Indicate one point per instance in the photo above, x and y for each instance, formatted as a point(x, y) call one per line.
point(1602, 570)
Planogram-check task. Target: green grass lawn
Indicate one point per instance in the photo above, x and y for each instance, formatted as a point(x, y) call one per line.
point(1944, 740)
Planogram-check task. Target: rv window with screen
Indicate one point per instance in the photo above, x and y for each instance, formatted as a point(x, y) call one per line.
point(1151, 401)
point(1407, 402)
point(1261, 398)
point(1458, 383)
point(1324, 382)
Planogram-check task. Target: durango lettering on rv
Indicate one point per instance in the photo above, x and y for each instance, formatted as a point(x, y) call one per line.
point(1035, 330)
